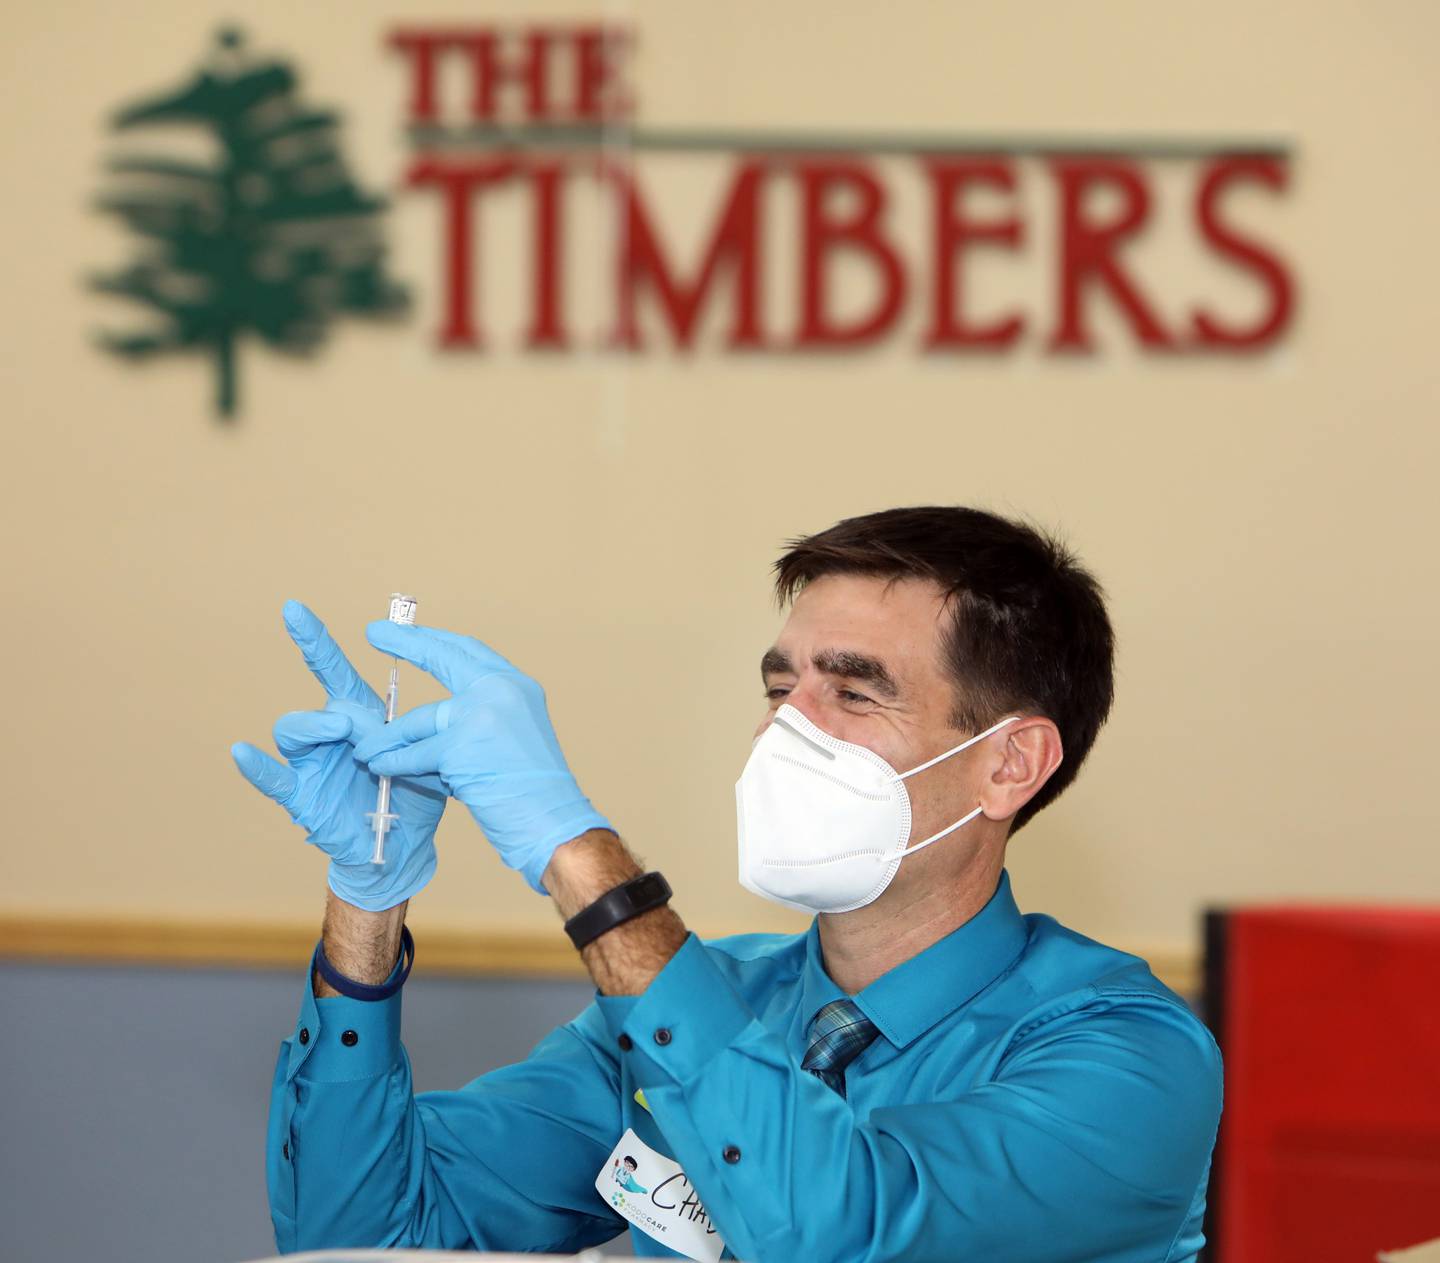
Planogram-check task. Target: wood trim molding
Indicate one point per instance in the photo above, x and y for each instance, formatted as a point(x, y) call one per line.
point(245, 945)
point(242, 945)
point(1180, 970)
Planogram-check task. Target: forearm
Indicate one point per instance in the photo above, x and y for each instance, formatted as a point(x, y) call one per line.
point(622, 961)
point(361, 945)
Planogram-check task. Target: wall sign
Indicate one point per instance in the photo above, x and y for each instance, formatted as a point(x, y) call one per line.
point(271, 239)
point(548, 109)
point(274, 240)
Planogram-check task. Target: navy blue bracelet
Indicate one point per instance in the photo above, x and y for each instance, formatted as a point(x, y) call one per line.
point(364, 990)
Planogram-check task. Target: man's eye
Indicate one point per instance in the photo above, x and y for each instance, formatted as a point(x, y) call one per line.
point(776, 693)
point(850, 696)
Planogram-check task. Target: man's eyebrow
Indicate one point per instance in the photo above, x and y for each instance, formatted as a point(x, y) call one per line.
point(857, 666)
point(776, 662)
point(846, 663)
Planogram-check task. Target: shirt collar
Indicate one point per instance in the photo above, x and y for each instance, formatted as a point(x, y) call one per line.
point(908, 1000)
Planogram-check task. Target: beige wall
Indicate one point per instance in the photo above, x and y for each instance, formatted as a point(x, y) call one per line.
point(1265, 527)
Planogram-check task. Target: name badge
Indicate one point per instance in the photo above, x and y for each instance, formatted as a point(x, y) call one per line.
point(651, 1191)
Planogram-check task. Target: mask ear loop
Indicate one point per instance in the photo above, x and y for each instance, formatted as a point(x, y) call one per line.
point(920, 846)
point(964, 745)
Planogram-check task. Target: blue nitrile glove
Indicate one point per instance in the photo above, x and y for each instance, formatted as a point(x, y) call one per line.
point(329, 794)
point(491, 743)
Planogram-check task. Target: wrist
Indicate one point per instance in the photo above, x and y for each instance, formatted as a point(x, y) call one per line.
point(583, 869)
point(367, 991)
point(619, 905)
point(559, 826)
point(623, 960)
point(360, 944)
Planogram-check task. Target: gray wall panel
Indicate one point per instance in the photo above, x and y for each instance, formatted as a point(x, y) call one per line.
point(133, 1100)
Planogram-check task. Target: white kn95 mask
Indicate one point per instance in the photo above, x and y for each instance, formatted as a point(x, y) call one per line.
point(824, 823)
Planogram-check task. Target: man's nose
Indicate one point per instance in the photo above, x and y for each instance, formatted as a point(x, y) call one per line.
point(807, 701)
point(770, 716)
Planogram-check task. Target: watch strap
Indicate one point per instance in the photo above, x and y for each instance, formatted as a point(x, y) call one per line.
point(615, 907)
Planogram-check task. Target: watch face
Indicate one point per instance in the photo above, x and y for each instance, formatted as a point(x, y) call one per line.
point(654, 887)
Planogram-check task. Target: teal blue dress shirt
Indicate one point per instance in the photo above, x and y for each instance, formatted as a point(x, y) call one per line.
point(1032, 1095)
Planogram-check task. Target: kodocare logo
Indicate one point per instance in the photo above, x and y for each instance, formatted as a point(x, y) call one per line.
point(270, 239)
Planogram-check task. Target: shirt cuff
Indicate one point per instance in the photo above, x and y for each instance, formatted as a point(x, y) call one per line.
point(338, 1039)
point(688, 1015)
point(355, 1039)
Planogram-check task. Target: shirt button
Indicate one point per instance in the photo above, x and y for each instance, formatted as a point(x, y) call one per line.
point(662, 1036)
point(304, 1034)
point(731, 1154)
point(626, 1043)
point(349, 1038)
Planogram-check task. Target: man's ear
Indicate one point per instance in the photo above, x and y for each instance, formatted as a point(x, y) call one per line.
point(1031, 753)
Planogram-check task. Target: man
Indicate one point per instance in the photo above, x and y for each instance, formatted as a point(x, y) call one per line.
point(924, 1074)
point(623, 1173)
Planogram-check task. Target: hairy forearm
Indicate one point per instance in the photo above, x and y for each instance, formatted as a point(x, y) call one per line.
point(622, 961)
point(365, 945)
point(361, 945)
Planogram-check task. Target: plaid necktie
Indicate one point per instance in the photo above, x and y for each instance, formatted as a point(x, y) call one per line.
point(839, 1033)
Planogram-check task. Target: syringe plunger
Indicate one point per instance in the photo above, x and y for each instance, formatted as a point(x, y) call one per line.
point(402, 611)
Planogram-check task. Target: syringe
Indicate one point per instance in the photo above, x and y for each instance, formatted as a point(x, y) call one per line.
point(402, 611)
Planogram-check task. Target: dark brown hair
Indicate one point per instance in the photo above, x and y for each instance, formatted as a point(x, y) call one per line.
point(1028, 630)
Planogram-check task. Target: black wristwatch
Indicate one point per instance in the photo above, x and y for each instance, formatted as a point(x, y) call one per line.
point(615, 907)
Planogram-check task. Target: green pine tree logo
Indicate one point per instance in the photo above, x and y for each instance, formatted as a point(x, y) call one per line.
point(272, 239)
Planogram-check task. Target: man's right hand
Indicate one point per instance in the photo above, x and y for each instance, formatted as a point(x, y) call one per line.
point(328, 793)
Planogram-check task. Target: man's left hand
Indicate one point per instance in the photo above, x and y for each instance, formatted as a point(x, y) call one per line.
point(491, 743)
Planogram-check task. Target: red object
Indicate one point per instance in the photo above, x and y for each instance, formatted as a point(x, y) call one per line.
point(1329, 1020)
point(1089, 250)
point(1246, 254)
point(460, 182)
point(553, 74)
point(954, 232)
point(859, 230)
point(734, 246)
